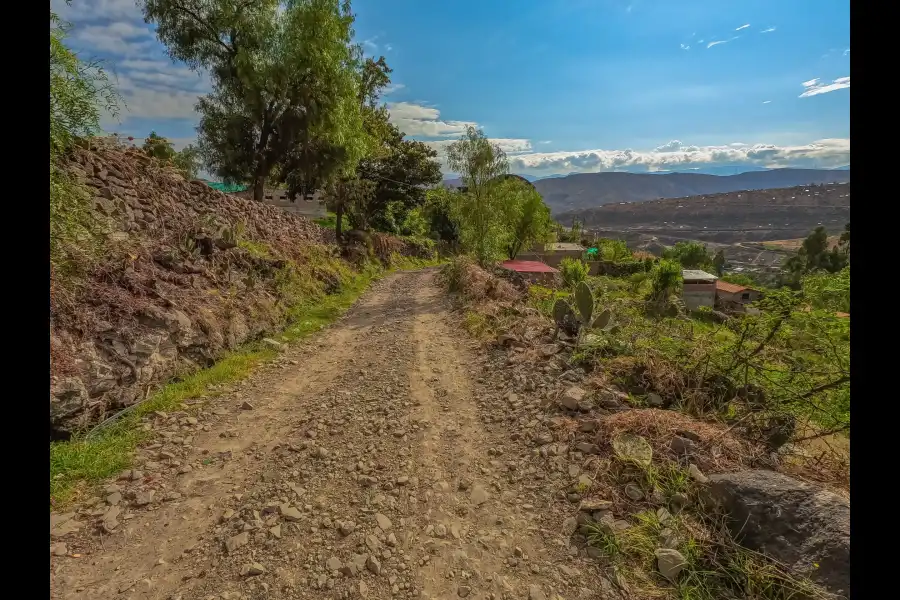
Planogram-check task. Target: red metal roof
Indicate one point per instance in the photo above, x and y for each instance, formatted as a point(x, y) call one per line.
point(527, 266)
point(730, 288)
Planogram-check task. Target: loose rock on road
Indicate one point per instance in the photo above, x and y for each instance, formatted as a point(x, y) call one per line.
point(383, 458)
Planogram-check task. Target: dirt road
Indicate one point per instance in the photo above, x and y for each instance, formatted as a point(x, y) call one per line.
point(384, 458)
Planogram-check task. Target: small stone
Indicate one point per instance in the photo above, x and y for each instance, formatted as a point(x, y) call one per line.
point(463, 591)
point(696, 474)
point(114, 498)
point(334, 564)
point(663, 515)
point(59, 549)
point(683, 446)
point(144, 498)
point(669, 562)
point(634, 492)
point(595, 504)
point(363, 589)
point(571, 397)
point(276, 531)
point(252, 569)
point(246, 405)
point(236, 541)
point(383, 522)
point(402, 480)
point(478, 495)
point(289, 512)
point(678, 502)
point(654, 400)
point(587, 448)
point(569, 526)
point(346, 528)
point(536, 593)
point(373, 565)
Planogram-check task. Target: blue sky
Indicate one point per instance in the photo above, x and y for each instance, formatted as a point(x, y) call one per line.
point(562, 85)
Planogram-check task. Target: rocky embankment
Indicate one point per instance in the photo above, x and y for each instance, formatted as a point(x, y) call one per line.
point(185, 274)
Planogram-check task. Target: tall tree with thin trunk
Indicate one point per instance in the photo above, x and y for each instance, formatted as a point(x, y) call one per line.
point(285, 75)
point(477, 209)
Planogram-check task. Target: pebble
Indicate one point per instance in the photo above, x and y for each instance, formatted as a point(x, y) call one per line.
point(669, 562)
point(479, 495)
point(383, 522)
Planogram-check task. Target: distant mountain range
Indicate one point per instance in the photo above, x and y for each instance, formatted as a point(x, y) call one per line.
point(586, 190)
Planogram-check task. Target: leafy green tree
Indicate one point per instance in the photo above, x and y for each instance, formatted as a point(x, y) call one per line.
point(691, 255)
point(79, 92)
point(613, 250)
point(527, 217)
point(187, 160)
point(814, 255)
point(828, 291)
point(286, 79)
point(438, 212)
point(478, 210)
point(718, 263)
point(665, 279)
point(159, 147)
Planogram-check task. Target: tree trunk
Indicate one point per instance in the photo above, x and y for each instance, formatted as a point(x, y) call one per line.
point(339, 212)
point(259, 187)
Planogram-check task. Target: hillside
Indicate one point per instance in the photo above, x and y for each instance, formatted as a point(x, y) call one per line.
point(186, 275)
point(588, 190)
point(770, 214)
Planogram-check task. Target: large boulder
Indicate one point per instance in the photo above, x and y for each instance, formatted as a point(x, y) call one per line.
point(798, 524)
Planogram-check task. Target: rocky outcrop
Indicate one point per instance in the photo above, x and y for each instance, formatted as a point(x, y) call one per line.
point(187, 272)
point(798, 524)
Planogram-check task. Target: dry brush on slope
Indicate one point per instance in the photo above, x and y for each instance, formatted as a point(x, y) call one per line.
point(186, 274)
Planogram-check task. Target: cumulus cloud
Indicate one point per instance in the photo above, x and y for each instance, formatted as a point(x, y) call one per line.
point(424, 121)
point(814, 87)
point(675, 155)
point(742, 27)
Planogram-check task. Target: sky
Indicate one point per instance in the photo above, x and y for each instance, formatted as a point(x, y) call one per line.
point(562, 86)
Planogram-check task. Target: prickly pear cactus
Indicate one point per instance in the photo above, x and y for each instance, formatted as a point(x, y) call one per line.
point(602, 320)
point(584, 300)
point(560, 310)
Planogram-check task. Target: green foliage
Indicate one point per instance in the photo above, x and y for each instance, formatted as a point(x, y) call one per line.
point(828, 291)
point(527, 217)
point(691, 255)
point(573, 271)
point(613, 250)
point(665, 279)
point(286, 84)
point(187, 161)
point(79, 92)
point(438, 213)
point(737, 279)
point(814, 255)
point(584, 301)
point(718, 263)
point(478, 210)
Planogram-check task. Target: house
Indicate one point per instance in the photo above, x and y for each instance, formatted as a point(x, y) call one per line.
point(552, 254)
point(699, 289)
point(312, 206)
point(733, 296)
point(532, 270)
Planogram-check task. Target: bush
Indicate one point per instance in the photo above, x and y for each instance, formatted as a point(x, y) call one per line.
point(665, 279)
point(573, 271)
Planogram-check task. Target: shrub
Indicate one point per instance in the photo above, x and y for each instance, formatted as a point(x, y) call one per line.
point(573, 271)
point(665, 279)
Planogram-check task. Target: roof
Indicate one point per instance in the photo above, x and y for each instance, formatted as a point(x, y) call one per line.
point(527, 266)
point(564, 246)
point(731, 288)
point(697, 275)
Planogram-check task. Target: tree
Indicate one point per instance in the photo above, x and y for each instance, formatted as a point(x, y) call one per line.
point(814, 255)
point(439, 214)
point(718, 263)
point(666, 279)
point(691, 255)
point(527, 217)
point(828, 291)
point(159, 147)
point(187, 160)
point(285, 78)
point(478, 210)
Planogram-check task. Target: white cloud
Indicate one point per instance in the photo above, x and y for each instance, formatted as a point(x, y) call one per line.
point(814, 88)
point(846, 52)
point(716, 43)
point(684, 47)
point(767, 102)
point(546, 142)
point(392, 88)
point(742, 27)
point(769, 30)
point(424, 121)
point(675, 155)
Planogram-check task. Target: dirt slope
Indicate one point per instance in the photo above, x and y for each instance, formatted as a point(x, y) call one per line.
point(372, 464)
